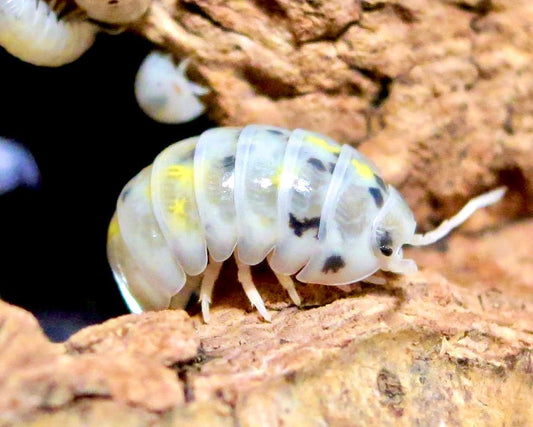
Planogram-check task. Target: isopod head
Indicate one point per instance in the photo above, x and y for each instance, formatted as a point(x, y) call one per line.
point(163, 91)
point(393, 227)
point(114, 11)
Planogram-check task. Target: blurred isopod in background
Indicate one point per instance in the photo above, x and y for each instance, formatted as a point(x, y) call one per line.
point(17, 167)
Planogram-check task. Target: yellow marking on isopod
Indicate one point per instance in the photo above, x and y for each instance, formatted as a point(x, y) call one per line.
point(322, 143)
point(276, 178)
point(113, 229)
point(180, 172)
point(178, 207)
point(362, 169)
point(148, 192)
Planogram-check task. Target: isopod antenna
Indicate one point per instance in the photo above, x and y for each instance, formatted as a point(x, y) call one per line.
point(485, 199)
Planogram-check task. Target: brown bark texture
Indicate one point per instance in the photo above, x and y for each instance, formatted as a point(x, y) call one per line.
point(450, 345)
point(439, 94)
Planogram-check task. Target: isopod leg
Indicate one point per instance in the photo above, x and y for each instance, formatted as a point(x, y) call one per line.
point(244, 274)
point(288, 284)
point(206, 288)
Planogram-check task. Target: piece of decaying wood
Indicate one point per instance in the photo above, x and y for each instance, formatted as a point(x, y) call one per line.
point(451, 344)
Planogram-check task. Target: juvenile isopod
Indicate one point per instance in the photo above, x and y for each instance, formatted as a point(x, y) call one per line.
point(114, 11)
point(17, 166)
point(163, 91)
point(311, 207)
point(32, 31)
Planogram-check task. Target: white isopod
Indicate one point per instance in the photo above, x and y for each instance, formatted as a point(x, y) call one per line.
point(114, 11)
point(163, 91)
point(17, 166)
point(32, 31)
point(313, 208)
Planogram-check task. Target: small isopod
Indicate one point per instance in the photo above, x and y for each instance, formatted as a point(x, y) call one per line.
point(163, 91)
point(312, 207)
point(17, 166)
point(32, 31)
point(114, 11)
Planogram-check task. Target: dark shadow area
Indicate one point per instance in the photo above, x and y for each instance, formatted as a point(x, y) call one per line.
point(88, 136)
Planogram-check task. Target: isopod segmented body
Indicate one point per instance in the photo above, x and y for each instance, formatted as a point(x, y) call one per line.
point(163, 91)
point(309, 205)
point(32, 31)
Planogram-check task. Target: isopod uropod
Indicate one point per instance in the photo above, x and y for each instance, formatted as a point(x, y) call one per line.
point(163, 91)
point(313, 208)
point(32, 31)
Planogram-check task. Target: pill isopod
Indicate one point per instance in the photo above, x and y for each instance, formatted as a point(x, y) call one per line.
point(32, 31)
point(114, 11)
point(17, 166)
point(312, 207)
point(163, 91)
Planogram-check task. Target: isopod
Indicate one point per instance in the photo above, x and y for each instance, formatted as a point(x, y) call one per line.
point(17, 166)
point(32, 31)
point(163, 91)
point(312, 207)
point(114, 11)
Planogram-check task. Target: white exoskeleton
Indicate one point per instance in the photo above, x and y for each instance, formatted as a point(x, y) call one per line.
point(163, 91)
point(311, 207)
point(114, 11)
point(32, 31)
point(17, 166)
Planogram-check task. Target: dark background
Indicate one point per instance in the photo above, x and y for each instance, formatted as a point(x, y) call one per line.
point(88, 136)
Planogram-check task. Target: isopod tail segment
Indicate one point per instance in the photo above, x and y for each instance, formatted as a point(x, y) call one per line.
point(313, 208)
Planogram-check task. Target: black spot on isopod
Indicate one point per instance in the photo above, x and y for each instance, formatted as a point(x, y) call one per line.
point(316, 163)
point(300, 227)
point(331, 167)
point(228, 163)
point(380, 182)
point(333, 263)
point(385, 242)
point(377, 196)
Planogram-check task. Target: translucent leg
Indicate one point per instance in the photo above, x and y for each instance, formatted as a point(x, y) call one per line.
point(206, 288)
point(288, 284)
point(244, 275)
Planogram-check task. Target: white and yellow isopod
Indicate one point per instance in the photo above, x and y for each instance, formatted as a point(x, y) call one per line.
point(311, 207)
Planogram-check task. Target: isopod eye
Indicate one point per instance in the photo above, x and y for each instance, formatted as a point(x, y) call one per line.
point(384, 242)
point(386, 250)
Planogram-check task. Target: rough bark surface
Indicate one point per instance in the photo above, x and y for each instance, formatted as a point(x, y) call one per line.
point(439, 94)
point(450, 345)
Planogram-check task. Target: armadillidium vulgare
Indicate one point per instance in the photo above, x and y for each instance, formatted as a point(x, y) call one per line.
point(310, 206)
point(32, 31)
point(163, 91)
